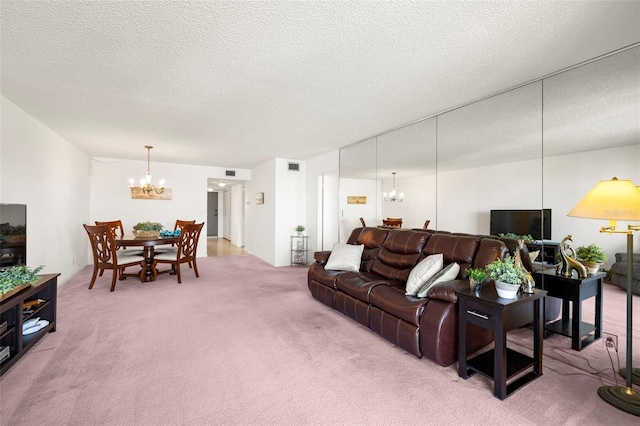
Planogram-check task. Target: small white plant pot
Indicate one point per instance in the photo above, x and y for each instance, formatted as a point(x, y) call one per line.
point(592, 268)
point(506, 290)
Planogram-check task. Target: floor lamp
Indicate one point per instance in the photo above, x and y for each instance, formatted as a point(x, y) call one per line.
point(615, 200)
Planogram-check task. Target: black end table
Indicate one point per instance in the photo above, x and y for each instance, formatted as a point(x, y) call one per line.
point(574, 290)
point(487, 310)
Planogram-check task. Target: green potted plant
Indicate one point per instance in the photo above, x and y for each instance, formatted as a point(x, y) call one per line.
point(592, 257)
point(300, 229)
point(526, 238)
point(17, 278)
point(507, 276)
point(476, 277)
point(147, 229)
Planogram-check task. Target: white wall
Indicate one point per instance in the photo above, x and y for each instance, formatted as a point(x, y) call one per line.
point(419, 201)
point(48, 174)
point(260, 218)
point(465, 197)
point(350, 214)
point(291, 201)
point(269, 226)
point(568, 178)
point(111, 197)
point(237, 220)
point(326, 164)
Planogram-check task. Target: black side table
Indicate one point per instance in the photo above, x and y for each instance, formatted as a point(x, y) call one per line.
point(487, 310)
point(574, 290)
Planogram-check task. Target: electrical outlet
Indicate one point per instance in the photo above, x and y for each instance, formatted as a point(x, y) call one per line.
point(610, 340)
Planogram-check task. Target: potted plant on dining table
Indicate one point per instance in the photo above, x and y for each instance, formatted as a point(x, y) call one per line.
point(147, 229)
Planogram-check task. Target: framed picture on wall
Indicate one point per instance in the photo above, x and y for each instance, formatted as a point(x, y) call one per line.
point(259, 197)
point(356, 199)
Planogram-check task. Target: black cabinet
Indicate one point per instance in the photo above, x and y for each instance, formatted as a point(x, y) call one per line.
point(548, 251)
point(36, 301)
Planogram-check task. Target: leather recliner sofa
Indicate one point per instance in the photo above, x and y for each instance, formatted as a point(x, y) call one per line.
point(375, 295)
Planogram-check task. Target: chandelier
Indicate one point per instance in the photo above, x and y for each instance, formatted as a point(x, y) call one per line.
point(145, 184)
point(393, 196)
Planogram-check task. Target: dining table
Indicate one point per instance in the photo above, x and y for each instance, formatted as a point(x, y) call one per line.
point(148, 245)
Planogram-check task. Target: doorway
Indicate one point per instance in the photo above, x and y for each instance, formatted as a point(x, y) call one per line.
point(212, 214)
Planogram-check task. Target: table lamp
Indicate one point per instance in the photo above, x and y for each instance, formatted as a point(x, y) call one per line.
point(615, 200)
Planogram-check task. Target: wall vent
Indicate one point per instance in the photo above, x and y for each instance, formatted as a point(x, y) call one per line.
point(230, 173)
point(294, 167)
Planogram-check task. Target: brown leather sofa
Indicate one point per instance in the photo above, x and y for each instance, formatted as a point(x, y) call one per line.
point(375, 296)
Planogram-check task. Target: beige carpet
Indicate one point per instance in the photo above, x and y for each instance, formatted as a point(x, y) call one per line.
point(246, 344)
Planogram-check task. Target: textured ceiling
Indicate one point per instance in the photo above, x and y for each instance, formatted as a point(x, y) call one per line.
point(234, 84)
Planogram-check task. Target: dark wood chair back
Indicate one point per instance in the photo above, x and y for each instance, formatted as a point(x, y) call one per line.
point(105, 254)
point(181, 223)
point(115, 226)
point(186, 252)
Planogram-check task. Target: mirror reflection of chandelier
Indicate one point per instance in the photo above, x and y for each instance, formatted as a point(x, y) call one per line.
point(393, 196)
point(145, 184)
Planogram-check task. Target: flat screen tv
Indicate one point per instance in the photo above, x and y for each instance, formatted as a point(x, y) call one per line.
point(536, 223)
point(13, 235)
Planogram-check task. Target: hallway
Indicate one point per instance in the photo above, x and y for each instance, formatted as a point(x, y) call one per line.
point(222, 247)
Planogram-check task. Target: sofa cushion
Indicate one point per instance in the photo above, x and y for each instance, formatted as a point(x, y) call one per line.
point(455, 248)
point(326, 277)
point(423, 272)
point(400, 252)
point(359, 284)
point(448, 273)
point(393, 301)
point(372, 239)
point(345, 257)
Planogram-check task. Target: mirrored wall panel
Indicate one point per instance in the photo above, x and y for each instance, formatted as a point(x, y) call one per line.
point(591, 133)
point(490, 158)
point(541, 146)
point(358, 194)
point(410, 193)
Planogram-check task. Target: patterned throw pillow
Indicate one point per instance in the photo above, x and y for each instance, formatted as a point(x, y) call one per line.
point(448, 273)
point(422, 272)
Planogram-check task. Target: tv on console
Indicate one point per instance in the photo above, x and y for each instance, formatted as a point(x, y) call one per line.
point(536, 223)
point(13, 235)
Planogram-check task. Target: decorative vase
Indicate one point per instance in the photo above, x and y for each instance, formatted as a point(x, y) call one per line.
point(507, 290)
point(592, 268)
point(475, 285)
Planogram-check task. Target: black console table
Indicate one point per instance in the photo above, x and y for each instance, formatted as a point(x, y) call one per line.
point(499, 315)
point(574, 290)
point(13, 312)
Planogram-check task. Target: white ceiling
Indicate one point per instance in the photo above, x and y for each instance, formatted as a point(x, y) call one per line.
point(234, 84)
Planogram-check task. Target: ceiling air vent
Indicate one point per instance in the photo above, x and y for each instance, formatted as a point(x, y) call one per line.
point(294, 167)
point(230, 172)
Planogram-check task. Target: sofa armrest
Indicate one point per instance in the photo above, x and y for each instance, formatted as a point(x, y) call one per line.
point(321, 257)
point(622, 257)
point(447, 290)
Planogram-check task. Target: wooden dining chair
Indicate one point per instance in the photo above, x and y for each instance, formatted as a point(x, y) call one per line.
point(117, 230)
point(186, 251)
point(173, 249)
point(105, 255)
